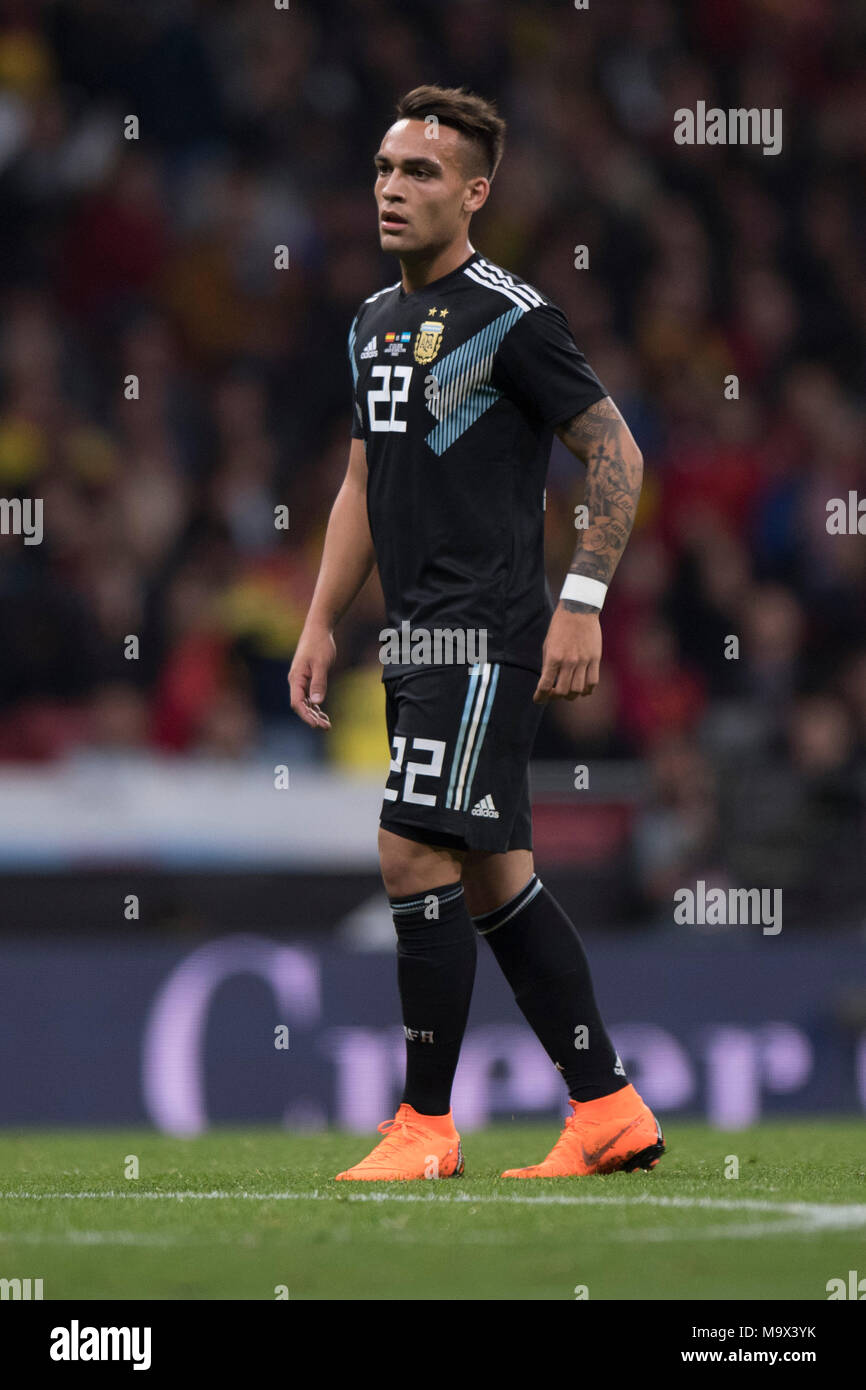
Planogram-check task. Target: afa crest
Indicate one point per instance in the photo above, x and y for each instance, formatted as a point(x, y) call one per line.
point(428, 341)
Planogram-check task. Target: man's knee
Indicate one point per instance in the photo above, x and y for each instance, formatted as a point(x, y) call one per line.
point(490, 879)
point(411, 867)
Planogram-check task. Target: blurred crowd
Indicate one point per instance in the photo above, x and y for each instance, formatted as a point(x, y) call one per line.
point(153, 258)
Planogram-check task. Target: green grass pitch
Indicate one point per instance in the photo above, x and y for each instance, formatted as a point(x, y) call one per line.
point(272, 1217)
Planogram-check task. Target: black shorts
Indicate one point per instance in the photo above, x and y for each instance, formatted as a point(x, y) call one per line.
point(461, 738)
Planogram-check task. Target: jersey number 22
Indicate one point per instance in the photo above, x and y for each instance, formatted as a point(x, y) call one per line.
point(389, 395)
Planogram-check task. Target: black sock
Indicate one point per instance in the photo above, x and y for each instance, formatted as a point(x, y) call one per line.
point(543, 960)
point(436, 954)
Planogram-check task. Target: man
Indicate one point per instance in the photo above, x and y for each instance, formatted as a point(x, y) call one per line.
point(462, 373)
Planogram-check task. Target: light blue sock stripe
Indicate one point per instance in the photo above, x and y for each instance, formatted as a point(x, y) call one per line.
point(467, 710)
point(482, 731)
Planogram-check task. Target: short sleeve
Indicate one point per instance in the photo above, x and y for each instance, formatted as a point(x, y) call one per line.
point(539, 366)
point(357, 417)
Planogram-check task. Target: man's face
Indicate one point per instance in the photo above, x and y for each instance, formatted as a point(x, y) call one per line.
point(423, 191)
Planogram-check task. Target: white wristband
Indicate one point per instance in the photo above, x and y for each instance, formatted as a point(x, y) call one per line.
point(582, 589)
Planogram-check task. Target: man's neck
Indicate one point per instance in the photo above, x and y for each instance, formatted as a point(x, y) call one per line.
point(418, 273)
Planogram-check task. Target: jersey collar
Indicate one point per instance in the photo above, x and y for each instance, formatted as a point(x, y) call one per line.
point(437, 284)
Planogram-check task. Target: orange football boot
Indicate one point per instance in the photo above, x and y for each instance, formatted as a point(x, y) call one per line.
point(415, 1146)
point(600, 1136)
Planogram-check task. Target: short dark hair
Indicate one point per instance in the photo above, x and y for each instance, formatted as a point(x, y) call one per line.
point(472, 115)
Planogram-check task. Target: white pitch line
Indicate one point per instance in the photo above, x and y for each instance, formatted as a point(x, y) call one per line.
point(824, 1214)
point(90, 1238)
point(132, 1238)
point(794, 1227)
point(803, 1218)
point(457, 1199)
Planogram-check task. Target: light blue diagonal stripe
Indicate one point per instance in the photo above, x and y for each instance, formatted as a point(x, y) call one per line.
point(352, 335)
point(465, 389)
point(481, 732)
point(474, 674)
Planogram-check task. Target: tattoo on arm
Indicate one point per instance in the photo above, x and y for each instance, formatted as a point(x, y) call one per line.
point(614, 472)
point(571, 605)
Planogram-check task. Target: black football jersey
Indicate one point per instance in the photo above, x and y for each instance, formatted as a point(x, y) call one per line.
point(457, 390)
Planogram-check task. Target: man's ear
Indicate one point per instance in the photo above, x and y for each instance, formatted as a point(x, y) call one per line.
point(476, 195)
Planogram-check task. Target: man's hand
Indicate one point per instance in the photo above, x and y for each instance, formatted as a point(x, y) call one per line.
point(572, 655)
point(308, 677)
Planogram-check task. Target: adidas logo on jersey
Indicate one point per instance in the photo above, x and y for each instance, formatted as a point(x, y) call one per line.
point(485, 807)
point(371, 349)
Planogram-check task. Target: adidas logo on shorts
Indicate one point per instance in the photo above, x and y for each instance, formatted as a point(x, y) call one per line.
point(485, 807)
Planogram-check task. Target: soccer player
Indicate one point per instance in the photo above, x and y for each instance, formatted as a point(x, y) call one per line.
point(462, 374)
